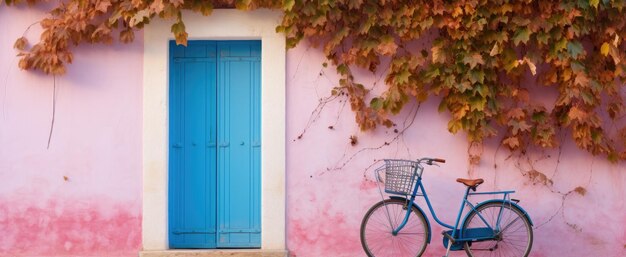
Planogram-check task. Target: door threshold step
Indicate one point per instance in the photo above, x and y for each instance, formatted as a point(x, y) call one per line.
point(215, 253)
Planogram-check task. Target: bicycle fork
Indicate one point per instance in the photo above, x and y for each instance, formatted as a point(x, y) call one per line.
point(409, 209)
point(409, 206)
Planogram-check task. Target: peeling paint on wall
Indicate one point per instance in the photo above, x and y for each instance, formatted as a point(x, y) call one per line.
point(69, 227)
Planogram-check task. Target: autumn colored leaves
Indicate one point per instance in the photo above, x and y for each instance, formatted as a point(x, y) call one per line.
point(484, 59)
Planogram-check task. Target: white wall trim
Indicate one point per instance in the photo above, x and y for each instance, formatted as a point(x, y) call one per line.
point(223, 24)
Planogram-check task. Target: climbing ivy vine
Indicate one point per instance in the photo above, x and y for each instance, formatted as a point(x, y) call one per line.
point(486, 58)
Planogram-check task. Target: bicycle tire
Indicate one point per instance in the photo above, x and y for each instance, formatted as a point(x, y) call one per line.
point(515, 239)
point(376, 230)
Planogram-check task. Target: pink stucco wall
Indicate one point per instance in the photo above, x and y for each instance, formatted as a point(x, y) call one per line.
point(329, 192)
point(82, 196)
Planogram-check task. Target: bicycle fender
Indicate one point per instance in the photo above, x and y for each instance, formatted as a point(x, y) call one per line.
point(501, 201)
point(423, 214)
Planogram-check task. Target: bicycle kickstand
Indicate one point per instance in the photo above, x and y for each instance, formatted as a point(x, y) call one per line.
point(448, 250)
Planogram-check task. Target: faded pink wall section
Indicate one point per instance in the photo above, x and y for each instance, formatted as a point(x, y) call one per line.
point(328, 188)
point(96, 145)
point(82, 196)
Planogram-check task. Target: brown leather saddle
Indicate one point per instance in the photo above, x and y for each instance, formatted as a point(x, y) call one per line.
point(472, 183)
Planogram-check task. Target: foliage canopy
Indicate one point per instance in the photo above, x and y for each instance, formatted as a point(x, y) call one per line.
point(482, 56)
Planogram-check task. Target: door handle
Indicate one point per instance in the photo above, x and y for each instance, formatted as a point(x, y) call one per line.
point(177, 145)
point(211, 144)
point(224, 144)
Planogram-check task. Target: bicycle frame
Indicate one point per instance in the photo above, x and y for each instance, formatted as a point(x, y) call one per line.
point(458, 238)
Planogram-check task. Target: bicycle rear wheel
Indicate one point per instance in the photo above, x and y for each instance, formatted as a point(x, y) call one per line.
point(379, 222)
point(515, 238)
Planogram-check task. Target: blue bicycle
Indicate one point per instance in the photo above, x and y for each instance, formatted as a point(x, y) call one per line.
point(398, 227)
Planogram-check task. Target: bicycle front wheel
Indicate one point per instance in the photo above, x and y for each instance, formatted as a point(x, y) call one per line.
point(379, 222)
point(514, 237)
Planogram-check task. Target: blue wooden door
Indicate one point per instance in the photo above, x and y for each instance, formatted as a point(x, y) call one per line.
point(214, 158)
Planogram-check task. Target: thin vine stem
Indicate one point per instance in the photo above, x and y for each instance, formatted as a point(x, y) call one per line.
point(54, 105)
point(408, 123)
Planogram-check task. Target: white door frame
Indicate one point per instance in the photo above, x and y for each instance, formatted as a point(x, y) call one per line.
point(222, 24)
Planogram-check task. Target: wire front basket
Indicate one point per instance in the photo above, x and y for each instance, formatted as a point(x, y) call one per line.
point(400, 176)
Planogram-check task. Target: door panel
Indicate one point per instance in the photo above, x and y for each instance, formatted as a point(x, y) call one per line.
point(214, 162)
point(239, 194)
point(193, 135)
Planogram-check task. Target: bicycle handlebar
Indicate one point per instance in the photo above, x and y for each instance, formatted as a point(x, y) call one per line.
point(439, 160)
point(430, 161)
